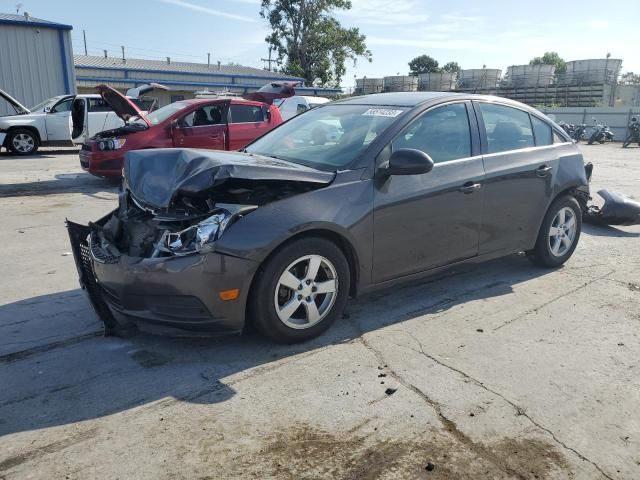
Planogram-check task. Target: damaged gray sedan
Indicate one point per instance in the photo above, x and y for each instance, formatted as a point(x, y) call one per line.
point(347, 198)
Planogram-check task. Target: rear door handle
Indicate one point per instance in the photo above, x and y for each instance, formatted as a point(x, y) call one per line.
point(543, 170)
point(470, 187)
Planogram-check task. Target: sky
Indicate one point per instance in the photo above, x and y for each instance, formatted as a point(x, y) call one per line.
point(492, 33)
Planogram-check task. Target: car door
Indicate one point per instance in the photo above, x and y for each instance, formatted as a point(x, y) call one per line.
point(246, 123)
point(203, 127)
point(519, 175)
point(101, 116)
point(58, 121)
point(429, 220)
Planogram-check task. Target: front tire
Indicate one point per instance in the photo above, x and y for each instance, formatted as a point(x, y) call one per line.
point(22, 142)
point(300, 291)
point(559, 233)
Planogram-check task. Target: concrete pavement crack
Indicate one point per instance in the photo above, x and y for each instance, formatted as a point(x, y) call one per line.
point(519, 410)
point(449, 425)
point(558, 297)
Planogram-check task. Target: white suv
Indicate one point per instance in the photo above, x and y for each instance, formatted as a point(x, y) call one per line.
point(49, 123)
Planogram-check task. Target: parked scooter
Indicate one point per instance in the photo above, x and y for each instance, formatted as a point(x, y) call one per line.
point(634, 133)
point(601, 134)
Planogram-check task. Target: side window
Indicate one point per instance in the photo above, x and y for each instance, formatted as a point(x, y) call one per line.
point(507, 128)
point(558, 139)
point(202, 117)
point(542, 132)
point(98, 105)
point(442, 133)
point(63, 106)
point(246, 113)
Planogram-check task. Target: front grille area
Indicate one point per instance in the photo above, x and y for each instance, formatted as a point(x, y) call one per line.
point(100, 254)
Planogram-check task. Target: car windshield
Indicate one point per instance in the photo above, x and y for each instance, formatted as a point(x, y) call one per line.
point(47, 103)
point(326, 138)
point(160, 115)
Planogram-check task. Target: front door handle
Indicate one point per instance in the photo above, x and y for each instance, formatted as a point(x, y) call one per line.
point(470, 187)
point(543, 170)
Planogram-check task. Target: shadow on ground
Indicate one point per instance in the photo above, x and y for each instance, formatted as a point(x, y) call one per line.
point(61, 183)
point(61, 370)
point(606, 231)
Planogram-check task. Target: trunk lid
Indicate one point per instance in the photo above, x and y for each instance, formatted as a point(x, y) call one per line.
point(272, 91)
point(121, 105)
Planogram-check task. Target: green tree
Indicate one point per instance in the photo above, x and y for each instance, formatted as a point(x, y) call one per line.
point(423, 64)
point(550, 58)
point(630, 78)
point(310, 42)
point(451, 67)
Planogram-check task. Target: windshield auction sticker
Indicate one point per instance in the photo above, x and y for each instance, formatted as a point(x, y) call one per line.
point(382, 112)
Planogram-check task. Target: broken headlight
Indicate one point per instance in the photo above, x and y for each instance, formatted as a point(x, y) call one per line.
point(200, 237)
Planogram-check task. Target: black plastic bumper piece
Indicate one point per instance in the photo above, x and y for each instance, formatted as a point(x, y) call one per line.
point(79, 237)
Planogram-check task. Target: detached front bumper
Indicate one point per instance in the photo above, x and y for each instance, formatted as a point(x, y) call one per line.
point(175, 292)
point(102, 164)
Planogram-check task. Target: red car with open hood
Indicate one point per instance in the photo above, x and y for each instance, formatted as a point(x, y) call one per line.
point(223, 123)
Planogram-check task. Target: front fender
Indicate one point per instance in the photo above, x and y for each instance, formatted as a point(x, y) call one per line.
point(343, 208)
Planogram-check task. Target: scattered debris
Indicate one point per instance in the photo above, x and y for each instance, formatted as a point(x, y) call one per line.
point(479, 330)
point(620, 344)
point(20, 231)
point(66, 254)
point(380, 375)
point(472, 414)
point(390, 391)
point(634, 287)
point(430, 466)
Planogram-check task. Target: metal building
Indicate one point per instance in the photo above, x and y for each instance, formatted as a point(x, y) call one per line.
point(36, 59)
point(183, 78)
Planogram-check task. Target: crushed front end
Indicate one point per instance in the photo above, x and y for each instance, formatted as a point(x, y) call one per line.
point(153, 260)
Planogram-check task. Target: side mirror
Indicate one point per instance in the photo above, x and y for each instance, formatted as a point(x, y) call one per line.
point(47, 109)
point(267, 113)
point(407, 161)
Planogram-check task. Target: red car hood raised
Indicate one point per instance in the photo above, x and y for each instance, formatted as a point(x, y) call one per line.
point(272, 91)
point(121, 105)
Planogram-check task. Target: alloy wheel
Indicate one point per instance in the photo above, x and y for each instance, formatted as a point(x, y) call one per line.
point(562, 232)
point(23, 143)
point(306, 291)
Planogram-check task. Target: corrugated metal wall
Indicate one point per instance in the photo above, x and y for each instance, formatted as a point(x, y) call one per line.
point(31, 63)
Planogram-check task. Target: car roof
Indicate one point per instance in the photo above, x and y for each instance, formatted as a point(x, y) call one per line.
point(198, 101)
point(398, 99)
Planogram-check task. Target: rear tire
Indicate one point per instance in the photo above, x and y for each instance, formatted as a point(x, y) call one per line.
point(22, 141)
point(559, 233)
point(287, 301)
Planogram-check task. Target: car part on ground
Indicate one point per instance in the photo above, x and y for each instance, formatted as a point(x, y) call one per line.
point(618, 209)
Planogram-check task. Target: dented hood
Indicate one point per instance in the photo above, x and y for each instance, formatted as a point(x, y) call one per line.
point(158, 177)
point(121, 105)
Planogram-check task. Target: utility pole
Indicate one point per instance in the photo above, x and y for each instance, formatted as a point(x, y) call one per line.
point(268, 60)
point(84, 37)
point(123, 59)
point(208, 60)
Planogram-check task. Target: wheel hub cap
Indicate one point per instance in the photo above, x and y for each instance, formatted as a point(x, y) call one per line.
point(562, 232)
point(306, 291)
